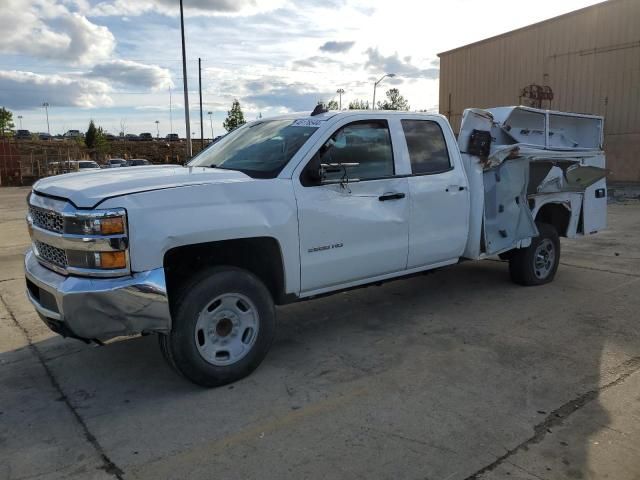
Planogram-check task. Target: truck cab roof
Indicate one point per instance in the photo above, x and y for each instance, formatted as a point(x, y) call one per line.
point(334, 114)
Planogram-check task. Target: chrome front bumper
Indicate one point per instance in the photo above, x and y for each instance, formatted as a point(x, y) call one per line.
point(98, 308)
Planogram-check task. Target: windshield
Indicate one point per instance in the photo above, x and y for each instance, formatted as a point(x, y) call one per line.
point(260, 150)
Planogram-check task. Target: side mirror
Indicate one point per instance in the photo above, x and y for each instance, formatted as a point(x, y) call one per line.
point(339, 173)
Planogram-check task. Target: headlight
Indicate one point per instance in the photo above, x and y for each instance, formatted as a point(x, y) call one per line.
point(97, 260)
point(105, 228)
point(91, 243)
point(91, 225)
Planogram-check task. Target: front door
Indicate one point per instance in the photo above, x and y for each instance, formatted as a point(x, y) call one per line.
point(352, 230)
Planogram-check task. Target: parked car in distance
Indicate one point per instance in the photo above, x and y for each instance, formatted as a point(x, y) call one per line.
point(70, 166)
point(131, 137)
point(44, 136)
point(172, 137)
point(87, 165)
point(138, 162)
point(116, 163)
point(73, 134)
point(23, 135)
point(110, 136)
point(146, 136)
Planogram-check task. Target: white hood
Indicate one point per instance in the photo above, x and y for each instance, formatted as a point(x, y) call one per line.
point(87, 189)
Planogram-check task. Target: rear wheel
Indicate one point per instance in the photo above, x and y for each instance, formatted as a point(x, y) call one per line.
point(224, 324)
point(538, 263)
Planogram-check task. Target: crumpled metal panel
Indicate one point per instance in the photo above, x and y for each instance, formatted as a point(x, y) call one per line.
point(507, 217)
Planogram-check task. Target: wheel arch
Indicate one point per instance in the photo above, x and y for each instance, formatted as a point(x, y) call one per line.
point(555, 213)
point(261, 256)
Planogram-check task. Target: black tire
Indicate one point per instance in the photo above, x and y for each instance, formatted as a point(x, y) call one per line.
point(522, 265)
point(506, 255)
point(180, 347)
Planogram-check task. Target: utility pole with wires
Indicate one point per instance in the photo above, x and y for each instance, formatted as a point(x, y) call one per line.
point(200, 92)
point(186, 88)
point(211, 123)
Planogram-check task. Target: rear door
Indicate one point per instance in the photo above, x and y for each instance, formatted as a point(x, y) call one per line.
point(356, 230)
point(438, 189)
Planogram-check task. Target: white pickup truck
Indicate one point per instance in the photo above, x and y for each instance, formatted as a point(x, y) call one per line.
point(301, 205)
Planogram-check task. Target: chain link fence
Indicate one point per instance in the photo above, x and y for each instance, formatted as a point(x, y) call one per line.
point(23, 166)
point(22, 163)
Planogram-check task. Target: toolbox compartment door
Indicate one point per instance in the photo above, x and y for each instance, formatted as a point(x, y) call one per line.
point(507, 217)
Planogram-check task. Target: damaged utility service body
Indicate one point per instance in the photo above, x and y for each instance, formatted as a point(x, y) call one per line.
point(301, 205)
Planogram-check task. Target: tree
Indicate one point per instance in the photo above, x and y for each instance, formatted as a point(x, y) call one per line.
point(6, 122)
point(91, 135)
point(394, 101)
point(235, 117)
point(359, 105)
point(101, 143)
point(333, 105)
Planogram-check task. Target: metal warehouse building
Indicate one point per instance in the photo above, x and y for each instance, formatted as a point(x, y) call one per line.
point(586, 61)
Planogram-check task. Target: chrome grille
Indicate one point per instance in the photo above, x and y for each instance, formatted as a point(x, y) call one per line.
point(47, 219)
point(51, 254)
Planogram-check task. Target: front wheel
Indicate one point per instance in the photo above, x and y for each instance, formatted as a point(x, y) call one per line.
point(538, 263)
point(223, 325)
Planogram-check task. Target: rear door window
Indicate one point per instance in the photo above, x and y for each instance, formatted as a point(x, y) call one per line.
point(427, 147)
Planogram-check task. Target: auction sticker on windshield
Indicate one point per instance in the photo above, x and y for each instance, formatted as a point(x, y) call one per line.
point(306, 122)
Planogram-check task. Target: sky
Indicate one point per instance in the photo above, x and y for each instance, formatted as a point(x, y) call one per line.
point(118, 62)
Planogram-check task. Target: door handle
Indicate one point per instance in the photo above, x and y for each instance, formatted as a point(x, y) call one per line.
point(391, 196)
point(455, 188)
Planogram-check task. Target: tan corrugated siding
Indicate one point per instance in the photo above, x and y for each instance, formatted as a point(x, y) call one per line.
point(559, 52)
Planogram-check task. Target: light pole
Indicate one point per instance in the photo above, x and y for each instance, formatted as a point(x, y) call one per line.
point(186, 88)
point(340, 91)
point(46, 111)
point(170, 113)
point(158, 129)
point(211, 123)
point(20, 120)
point(390, 75)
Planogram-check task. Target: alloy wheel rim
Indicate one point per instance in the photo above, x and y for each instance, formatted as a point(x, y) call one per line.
point(226, 329)
point(544, 259)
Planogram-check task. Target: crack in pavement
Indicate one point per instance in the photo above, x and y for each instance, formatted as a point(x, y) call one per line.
point(615, 272)
point(558, 416)
point(107, 464)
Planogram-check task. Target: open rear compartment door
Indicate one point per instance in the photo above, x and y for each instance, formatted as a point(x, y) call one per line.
point(507, 217)
point(591, 176)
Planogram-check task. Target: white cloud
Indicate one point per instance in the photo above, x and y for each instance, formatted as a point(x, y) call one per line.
point(128, 73)
point(47, 29)
point(402, 67)
point(193, 7)
point(25, 90)
point(272, 91)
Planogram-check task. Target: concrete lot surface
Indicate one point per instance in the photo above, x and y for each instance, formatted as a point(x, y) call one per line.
point(455, 375)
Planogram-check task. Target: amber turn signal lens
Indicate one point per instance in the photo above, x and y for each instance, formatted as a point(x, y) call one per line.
point(112, 226)
point(112, 260)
